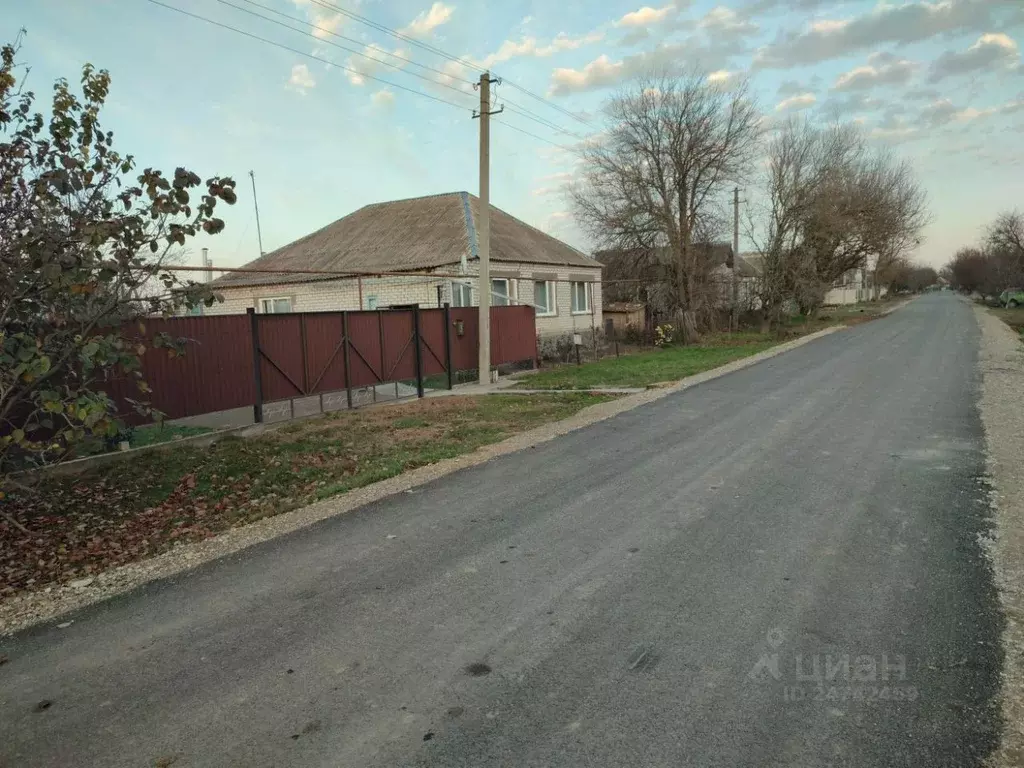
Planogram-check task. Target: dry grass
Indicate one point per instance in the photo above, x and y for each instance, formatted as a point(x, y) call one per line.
point(75, 526)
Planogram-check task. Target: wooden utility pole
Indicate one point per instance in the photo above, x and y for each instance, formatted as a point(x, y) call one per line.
point(734, 323)
point(259, 234)
point(484, 229)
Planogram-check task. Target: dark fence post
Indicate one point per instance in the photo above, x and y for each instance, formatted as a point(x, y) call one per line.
point(418, 356)
point(348, 359)
point(448, 342)
point(254, 332)
point(305, 362)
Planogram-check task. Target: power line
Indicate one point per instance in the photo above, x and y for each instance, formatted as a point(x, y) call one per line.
point(340, 37)
point(522, 111)
point(548, 102)
point(394, 33)
point(518, 109)
point(345, 48)
point(307, 55)
point(535, 136)
point(443, 54)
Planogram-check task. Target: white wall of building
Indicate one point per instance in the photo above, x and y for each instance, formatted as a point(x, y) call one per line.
point(371, 293)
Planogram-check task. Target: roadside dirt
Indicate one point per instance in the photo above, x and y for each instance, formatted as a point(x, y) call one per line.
point(1001, 363)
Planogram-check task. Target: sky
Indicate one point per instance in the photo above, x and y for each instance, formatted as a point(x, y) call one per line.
point(939, 82)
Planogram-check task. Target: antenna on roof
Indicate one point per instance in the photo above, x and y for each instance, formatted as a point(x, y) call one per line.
point(256, 205)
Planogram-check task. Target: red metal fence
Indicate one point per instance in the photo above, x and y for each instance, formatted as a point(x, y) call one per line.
point(311, 353)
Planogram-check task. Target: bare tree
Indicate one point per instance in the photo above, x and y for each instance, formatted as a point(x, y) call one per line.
point(1004, 241)
point(795, 171)
point(971, 269)
point(652, 183)
point(1006, 233)
point(833, 205)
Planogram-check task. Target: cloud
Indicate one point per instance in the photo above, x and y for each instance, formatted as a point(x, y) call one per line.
point(939, 112)
point(528, 46)
point(373, 61)
point(722, 22)
point(895, 135)
point(646, 16)
point(906, 23)
point(301, 80)
point(599, 73)
point(794, 87)
point(850, 104)
point(722, 77)
point(796, 103)
point(382, 99)
point(326, 24)
point(603, 72)
point(944, 112)
point(766, 6)
point(428, 20)
point(881, 69)
point(991, 51)
point(922, 94)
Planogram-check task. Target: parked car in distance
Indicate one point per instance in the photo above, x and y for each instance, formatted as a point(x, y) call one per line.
point(1012, 298)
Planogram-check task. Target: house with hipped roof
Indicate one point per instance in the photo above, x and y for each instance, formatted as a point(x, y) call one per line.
point(421, 251)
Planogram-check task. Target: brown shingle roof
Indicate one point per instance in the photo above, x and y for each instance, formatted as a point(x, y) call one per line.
point(403, 235)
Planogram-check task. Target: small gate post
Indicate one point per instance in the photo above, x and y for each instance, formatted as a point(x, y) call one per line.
point(448, 342)
point(348, 359)
point(418, 356)
point(254, 332)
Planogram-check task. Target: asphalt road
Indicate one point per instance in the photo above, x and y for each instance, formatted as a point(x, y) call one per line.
point(682, 585)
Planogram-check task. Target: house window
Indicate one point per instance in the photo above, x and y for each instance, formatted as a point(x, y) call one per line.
point(462, 295)
point(580, 297)
point(275, 305)
point(371, 302)
point(499, 292)
point(544, 297)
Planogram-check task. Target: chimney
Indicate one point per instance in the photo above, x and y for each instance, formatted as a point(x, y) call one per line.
point(207, 275)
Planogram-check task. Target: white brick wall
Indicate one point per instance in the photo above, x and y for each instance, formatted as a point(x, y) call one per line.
point(335, 295)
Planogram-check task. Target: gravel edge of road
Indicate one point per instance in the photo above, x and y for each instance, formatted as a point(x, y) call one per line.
point(22, 612)
point(1001, 368)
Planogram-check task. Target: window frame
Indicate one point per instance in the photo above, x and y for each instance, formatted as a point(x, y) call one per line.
point(263, 301)
point(586, 297)
point(552, 301)
point(508, 292)
point(457, 289)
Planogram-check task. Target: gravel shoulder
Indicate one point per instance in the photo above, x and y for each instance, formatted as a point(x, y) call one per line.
point(23, 611)
point(1001, 363)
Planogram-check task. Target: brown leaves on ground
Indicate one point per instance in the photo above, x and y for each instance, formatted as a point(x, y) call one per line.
point(76, 526)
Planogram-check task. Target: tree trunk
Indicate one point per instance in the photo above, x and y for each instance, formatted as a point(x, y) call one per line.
point(686, 323)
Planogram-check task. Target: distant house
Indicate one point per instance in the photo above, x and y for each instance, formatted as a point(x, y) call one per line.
point(432, 242)
point(748, 277)
point(854, 286)
point(644, 277)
